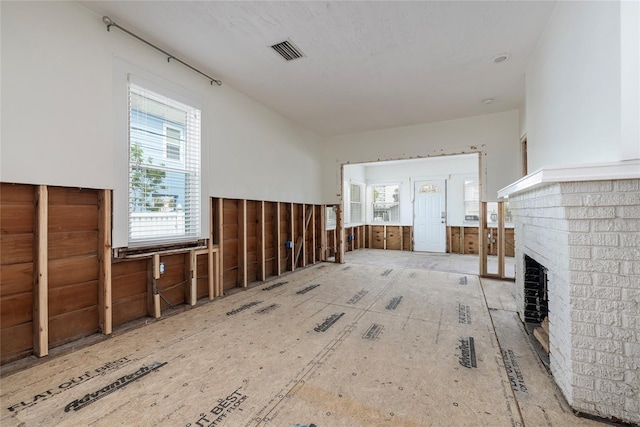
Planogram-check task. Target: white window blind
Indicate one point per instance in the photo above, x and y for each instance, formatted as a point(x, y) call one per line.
point(164, 168)
point(355, 203)
point(386, 203)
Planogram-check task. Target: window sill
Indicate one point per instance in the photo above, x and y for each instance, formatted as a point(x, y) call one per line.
point(162, 249)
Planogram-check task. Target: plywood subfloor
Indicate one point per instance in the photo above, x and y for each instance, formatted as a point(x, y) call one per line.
point(455, 263)
point(330, 345)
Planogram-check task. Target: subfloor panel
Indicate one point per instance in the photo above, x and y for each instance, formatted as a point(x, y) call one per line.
point(329, 345)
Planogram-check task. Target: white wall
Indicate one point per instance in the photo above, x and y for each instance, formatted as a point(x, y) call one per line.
point(630, 84)
point(574, 87)
point(455, 169)
point(61, 90)
point(496, 136)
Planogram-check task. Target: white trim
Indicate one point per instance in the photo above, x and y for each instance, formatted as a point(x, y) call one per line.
point(628, 169)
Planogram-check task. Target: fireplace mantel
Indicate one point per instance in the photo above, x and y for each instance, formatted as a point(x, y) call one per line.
point(628, 169)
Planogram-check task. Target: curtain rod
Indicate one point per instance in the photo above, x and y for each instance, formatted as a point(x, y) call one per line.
point(110, 23)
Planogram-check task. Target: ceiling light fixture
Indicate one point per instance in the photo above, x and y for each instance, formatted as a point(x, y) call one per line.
point(487, 101)
point(501, 58)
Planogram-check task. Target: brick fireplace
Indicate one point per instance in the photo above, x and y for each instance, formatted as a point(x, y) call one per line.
point(581, 225)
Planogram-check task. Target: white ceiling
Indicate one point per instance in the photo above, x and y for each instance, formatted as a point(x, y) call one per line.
point(369, 64)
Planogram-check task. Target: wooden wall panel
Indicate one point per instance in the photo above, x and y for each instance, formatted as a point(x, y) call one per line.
point(285, 234)
point(393, 237)
point(297, 227)
point(270, 238)
point(173, 283)
point(348, 243)
point(377, 237)
point(16, 341)
point(407, 238)
point(17, 216)
point(319, 231)
point(202, 289)
point(71, 326)
point(129, 290)
point(470, 240)
point(454, 243)
point(252, 241)
point(308, 237)
point(465, 240)
point(73, 264)
point(510, 244)
point(230, 243)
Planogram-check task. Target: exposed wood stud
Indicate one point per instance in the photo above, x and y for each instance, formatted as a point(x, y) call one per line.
point(401, 238)
point(384, 237)
point(482, 238)
point(501, 239)
point(303, 235)
point(313, 234)
point(219, 240)
point(370, 236)
point(41, 283)
point(323, 234)
point(242, 243)
point(156, 293)
point(340, 236)
point(278, 240)
point(217, 260)
point(104, 259)
point(262, 263)
point(292, 261)
point(211, 277)
point(193, 272)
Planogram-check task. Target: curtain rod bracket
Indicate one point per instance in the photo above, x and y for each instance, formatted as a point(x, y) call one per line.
point(110, 23)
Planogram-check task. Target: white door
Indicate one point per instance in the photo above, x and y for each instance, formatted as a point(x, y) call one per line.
point(429, 216)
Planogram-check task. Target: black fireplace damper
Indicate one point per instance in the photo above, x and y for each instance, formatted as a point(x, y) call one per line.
point(536, 306)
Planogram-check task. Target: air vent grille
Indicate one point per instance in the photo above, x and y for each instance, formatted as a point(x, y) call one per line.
point(288, 50)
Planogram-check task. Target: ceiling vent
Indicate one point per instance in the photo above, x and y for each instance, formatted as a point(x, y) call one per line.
point(288, 50)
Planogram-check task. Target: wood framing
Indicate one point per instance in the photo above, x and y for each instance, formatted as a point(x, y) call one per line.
point(292, 257)
point(339, 236)
point(242, 243)
point(41, 288)
point(501, 239)
point(192, 273)
point(278, 240)
point(323, 235)
point(210, 255)
point(218, 239)
point(261, 243)
point(482, 234)
point(156, 294)
point(104, 259)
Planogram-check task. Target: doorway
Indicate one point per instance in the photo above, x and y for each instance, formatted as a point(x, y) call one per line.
point(430, 216)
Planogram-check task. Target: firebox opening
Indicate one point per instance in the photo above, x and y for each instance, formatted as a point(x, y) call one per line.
point(536, 302)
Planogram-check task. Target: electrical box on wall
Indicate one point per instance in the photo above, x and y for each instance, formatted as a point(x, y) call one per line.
point(288, 244)
point(162, 268)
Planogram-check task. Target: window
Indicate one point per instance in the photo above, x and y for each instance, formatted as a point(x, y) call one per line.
point(172, 144)
point(164, 168)
point(355, 203)
point(330, 217)
point(471, 201)
point(386, 203)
